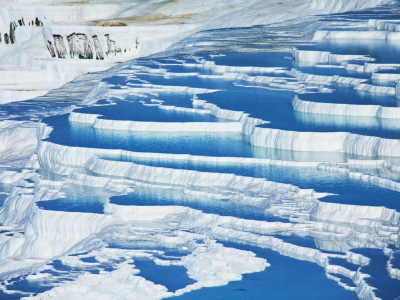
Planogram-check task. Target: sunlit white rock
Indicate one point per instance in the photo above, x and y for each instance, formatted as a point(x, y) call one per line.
point(356, 35)
point(382, 24)
point(125, 282)
point(346, 109)
point(324, 79)
point(385, 76)
point(18, 140)
point(324, 142)
point(350, 213)
point(325, 57)
point(376, 180)
point(375, 89)
point(52, 154)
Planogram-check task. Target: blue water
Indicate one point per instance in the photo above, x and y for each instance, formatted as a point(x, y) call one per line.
point(388, 71)
point(396, 259)
point(343, 279)
point(89, 260)
point(382, 82)
point(302, 241)
point(82, 199)
point(286, 278)
point(261, 59)
point(274, 59)
point(60, 273)
point(21, 284)
point(210, 144)
point(190, 81)
point(195, 143)
point(177, 67)
point(280, 59)
point(172, 277)
point(83, 205)
point(386, 287)
point(221, 144)
point(380, 172)
point(168, 98)
point(383, 51)
point(347, 190)
point(262, 108)
point(16, 296)
point(276, 107)
point(167, 197)
point(368, 126)
point(138, 112)
point(344, 263)
point(347, 95)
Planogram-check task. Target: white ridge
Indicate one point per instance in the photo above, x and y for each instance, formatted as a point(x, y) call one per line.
point(346, 109)
point(325, 142)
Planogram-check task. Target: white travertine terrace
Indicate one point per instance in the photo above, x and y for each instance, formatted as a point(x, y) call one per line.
point(325, 56)
point(325, 142)
point(41, 36)
point(356, 35)
point(346, 109)
point(40, 236)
